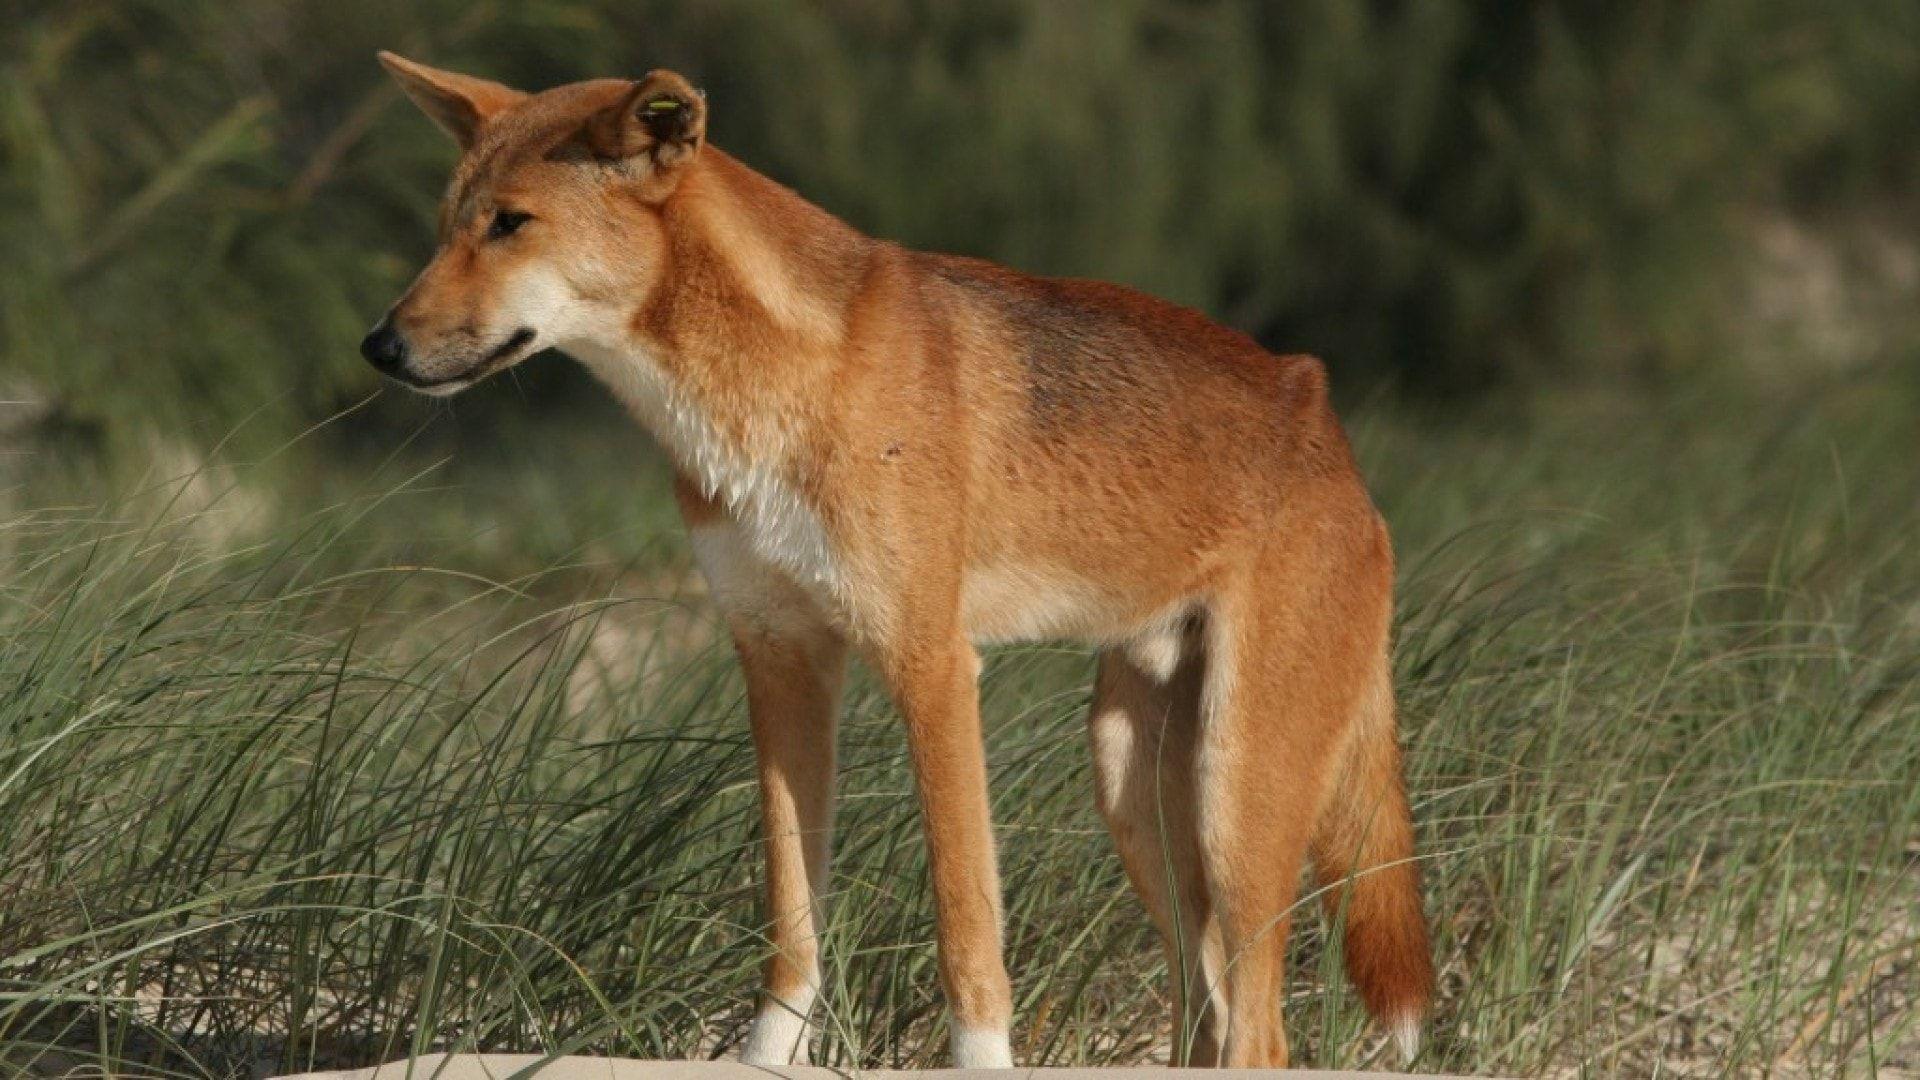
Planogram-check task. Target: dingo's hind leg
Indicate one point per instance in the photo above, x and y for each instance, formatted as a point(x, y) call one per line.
point(1144, 724)
point(1293, 647)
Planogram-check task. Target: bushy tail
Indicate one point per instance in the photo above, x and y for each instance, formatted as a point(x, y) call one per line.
point(1363, 853)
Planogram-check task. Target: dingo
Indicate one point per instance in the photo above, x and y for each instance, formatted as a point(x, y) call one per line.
point(907, 454)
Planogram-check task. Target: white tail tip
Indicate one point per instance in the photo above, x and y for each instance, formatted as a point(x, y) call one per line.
point(1406, 1036)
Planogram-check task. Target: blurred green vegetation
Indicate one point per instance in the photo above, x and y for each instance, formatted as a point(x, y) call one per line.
point(205, 203)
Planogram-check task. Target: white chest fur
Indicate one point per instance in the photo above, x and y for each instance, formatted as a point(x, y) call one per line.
point(777, 523)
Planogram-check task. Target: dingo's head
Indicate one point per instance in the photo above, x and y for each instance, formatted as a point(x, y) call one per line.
point(550, 234)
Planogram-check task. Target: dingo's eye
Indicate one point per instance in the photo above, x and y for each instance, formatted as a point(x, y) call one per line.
point(506, 223)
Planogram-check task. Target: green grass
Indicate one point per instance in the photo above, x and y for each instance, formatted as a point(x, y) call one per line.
point(318, 790)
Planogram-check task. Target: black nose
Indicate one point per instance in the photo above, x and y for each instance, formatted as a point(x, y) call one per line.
point(384, 348)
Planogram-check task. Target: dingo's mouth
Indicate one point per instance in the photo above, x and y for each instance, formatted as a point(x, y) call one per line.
point(506, 352)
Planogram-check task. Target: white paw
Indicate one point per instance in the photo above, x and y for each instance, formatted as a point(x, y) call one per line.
point(986, 1049)
point(778, 1036)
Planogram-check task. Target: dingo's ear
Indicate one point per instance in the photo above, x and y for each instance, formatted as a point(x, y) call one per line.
point(659, 124)
point(458, 103)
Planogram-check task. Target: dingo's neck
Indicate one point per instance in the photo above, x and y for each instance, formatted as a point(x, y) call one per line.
point(727, 362)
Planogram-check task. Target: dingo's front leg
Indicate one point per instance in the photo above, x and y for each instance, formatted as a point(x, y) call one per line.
point(935, 683)
point(792, 696)
point(793, 660)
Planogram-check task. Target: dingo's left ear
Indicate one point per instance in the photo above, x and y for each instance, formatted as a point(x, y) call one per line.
point(659, 123)
point(458, 103)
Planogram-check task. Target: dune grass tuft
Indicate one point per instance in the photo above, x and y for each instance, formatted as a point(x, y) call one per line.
point(296, 803)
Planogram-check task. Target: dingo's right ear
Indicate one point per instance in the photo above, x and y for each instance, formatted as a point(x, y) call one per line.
point(458, 103)
point(656, 127)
